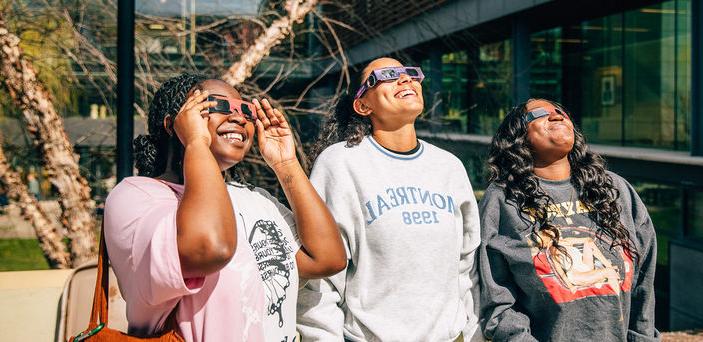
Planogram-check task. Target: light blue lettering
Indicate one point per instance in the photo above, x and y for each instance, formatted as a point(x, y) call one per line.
point(381, 204)
point(450, 204)
point(391, 195)
point(436, 201)
point(412, 192)
point(403, 196)
point(424, 196)
point(371, 213)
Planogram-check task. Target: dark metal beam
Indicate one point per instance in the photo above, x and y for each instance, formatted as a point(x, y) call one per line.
point(521, 59)
point(696, 78)
point(125, 87)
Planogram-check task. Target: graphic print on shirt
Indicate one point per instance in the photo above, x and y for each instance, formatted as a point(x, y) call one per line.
point(272, 251)
point(401, 197)
point(585, 266)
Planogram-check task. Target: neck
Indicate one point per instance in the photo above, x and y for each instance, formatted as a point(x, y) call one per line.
point(401, 139)
point(554, 170)
point(169, 175)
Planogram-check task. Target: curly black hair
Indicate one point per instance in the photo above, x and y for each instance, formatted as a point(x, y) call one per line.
point(344, 124)
point(151, 151)
point(511, 165)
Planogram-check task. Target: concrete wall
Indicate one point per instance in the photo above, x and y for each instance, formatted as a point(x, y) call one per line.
point(29, 304)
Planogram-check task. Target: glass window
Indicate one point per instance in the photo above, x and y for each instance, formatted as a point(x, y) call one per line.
point(598, 61)
point(695, 215)
point(664, 206)
point(625, 77)
point(454, 94)
point(651, 64)
point(546, 69)
point(490, 91)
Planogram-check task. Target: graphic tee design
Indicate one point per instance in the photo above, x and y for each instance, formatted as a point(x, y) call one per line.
point(269, 229)
point(273, 252)
point(584, 265)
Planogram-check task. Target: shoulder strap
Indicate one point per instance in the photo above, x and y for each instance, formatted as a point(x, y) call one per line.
point(99, 313)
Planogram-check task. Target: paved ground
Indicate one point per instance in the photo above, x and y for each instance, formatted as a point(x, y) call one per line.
point(13, 225)
point(695, 336)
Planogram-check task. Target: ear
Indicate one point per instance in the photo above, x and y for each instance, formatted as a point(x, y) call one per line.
point(168, 124)
point(361, 108)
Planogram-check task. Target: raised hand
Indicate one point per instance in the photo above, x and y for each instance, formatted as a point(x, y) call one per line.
point(191, 122)
point(275, 137)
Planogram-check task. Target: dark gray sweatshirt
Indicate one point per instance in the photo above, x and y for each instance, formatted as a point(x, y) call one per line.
point(585, 292)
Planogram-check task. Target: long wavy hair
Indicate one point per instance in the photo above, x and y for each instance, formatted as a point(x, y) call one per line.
point(344, 124)
point(511, 165)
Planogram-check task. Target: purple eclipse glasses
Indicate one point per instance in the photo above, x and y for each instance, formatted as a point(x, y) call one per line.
point(226, 105)
point(389, 74)
point(540, 112)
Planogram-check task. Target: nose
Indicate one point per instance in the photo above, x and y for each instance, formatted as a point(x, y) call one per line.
point(404, 78)
point(237, 117)
point(555, 115)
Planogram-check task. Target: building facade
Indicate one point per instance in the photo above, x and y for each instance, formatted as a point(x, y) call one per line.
point(628, 71)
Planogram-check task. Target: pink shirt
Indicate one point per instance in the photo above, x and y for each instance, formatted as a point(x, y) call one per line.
point(140, 232)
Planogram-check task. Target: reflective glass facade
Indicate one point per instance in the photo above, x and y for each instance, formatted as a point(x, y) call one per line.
point(625, 76)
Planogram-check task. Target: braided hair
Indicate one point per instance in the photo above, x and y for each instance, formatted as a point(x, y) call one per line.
point(511, 165)
point(344, 124)
point(151, 150)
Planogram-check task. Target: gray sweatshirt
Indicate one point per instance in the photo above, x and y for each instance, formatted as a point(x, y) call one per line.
point(587, 292)
point(410, 225)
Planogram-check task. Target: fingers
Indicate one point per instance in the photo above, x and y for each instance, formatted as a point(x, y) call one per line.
point(269, 112)
point(281, 118)
point(269, 115)
point(261, 114)
point(260, 132)
point(197, 101)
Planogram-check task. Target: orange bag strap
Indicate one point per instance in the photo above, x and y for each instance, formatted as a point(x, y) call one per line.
point(99, 313)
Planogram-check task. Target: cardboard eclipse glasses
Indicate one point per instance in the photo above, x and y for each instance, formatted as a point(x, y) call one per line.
point(540, 112)
point(389, 74)
point(226, 105)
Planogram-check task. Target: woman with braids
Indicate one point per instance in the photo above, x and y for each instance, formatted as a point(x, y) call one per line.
point(184, 242)
point(568, 249)
point(408, 218)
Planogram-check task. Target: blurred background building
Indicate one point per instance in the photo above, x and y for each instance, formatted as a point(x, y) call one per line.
point(623, 68)
point(629, 72)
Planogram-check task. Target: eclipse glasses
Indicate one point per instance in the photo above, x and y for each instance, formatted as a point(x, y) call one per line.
point(389, 74)
point(227, 105)
point(540, 112)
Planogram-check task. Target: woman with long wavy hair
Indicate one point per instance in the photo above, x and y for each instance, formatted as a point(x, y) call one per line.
point(568, 250)
point(408, 217)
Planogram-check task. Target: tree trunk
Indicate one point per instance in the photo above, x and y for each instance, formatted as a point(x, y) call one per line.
point(272, 36)
point(48, 233)
point(47, 130)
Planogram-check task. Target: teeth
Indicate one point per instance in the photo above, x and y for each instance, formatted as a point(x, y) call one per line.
point(233, 136)
point(406, 92)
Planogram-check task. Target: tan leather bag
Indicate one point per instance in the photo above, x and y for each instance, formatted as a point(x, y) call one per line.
point(97, 327)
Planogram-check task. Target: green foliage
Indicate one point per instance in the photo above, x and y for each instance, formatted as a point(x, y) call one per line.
point(44, 37)
point(21, 255)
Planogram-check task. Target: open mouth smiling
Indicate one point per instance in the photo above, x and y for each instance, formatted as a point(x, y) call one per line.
point(233, 136)
point(405, 93)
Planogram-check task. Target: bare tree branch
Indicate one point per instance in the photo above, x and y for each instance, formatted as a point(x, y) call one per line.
point(48, 233)
point(47, 130)
point(272, 36)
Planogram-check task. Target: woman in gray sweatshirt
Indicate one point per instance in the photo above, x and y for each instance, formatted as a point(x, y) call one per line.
point(408, 218)
point(568, 250)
